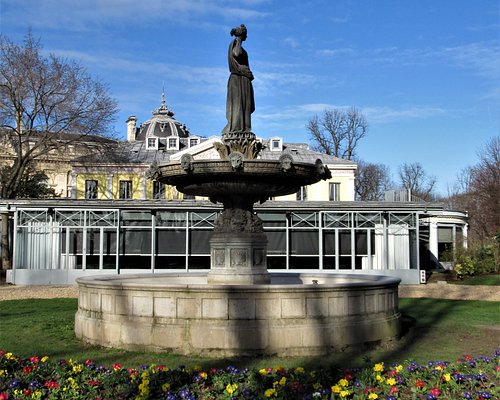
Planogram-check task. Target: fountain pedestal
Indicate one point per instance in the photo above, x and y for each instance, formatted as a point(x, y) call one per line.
point(238, 259)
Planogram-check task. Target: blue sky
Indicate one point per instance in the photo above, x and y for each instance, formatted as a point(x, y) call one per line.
point(426, 73)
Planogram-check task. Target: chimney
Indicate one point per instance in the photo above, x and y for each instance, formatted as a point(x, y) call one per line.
point(131, 128)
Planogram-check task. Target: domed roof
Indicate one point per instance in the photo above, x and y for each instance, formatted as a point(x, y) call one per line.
point(162, 124)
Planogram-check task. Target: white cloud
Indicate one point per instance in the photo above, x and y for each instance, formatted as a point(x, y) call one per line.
point(388, 114)
point(92, 14)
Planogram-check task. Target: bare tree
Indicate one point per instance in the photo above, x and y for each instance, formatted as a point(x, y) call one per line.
point(337, 132)
point(372, 180)
point(413, 177)
point(482, 199)
point(478, 193)
point(46, 104)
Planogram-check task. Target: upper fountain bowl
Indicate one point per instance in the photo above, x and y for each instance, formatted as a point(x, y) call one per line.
point(255, 179)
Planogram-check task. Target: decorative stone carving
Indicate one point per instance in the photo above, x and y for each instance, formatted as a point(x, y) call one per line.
point(236, 161)
point(153, 173)
point(244, 143)
point(238, 257)
point(286, 162)
point(187, 162)
point(322, 170)
point(219, 257)
point(238, 220)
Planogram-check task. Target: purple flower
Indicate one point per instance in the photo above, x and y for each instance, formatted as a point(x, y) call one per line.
point(35, 385)
point(14, 383)
point(484, 395)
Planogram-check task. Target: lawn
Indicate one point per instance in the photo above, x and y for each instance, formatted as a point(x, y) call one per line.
point(432, 329)
point(488, 280)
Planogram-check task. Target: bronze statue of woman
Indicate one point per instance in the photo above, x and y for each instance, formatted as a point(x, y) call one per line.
point(240, 101)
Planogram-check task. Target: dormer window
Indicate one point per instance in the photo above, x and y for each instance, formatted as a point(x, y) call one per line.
point(193, 141)
point(152, 143)
point(276, 144)
point(173, 143)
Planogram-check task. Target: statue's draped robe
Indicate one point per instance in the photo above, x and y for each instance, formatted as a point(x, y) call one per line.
point(240, 100)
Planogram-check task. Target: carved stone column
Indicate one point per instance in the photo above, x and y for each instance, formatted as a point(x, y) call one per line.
point(238, 249)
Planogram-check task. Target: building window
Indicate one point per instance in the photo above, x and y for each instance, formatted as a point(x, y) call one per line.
point(276, 144)
point(90, 189)
point(125, 189)
point(173, 143)
point(152, 143)
point(302, 194)
point(334, 192)
point(158, 190)
point(193, 142)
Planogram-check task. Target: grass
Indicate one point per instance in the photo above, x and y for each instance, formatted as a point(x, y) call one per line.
point(433, 329)
point(488, 280)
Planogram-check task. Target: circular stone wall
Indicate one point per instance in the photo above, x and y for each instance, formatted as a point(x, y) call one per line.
point(297, 314)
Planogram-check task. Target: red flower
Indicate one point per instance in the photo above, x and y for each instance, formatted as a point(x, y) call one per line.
point(117, 366)
point(393, 390)
point(51, 384)
point(28, 369)
point(89, 362)
point(161, 367)
point(3, 395)
point(420, 384)
point(94, 383)
point(435, 392)
point(35, 359)
point(468, 358)
point(27, 392)
point(349, 376)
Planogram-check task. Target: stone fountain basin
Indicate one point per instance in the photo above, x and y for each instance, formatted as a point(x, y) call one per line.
point(297, 314)
point(256, 178)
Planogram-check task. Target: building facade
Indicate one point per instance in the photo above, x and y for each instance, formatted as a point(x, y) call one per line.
point(115, 219)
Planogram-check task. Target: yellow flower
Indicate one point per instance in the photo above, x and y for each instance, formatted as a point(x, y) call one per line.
point(344, 393)
point(399, 368)
point(73, 383)
point(77, 368)
point(317, 386)
point(439, 368)
point(299, 370)
point(344, 382)
point(379, 378)
point(263, 371)
point(3, 372)
point(231, 388)
point(447, 377)
point(379, 367)
point(391, 381)
point(283, 381)
point(336, 389)
point(165, 387)
point(144, 374)
point(373, 396)
point(270, 393)
point(8, 356)
point(203, 375)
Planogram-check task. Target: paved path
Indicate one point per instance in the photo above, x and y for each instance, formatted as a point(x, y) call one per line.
point(430, 290)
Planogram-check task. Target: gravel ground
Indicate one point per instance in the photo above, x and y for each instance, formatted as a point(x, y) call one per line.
point(439, 290)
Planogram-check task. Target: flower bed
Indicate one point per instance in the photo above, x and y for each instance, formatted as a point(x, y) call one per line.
point(41, 378)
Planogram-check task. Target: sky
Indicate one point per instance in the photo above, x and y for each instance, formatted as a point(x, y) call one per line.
point(425, 74)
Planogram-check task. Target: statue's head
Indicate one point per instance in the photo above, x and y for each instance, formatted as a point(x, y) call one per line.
point(240, 31)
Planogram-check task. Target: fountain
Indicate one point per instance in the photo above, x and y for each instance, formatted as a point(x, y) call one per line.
point(238, 307)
